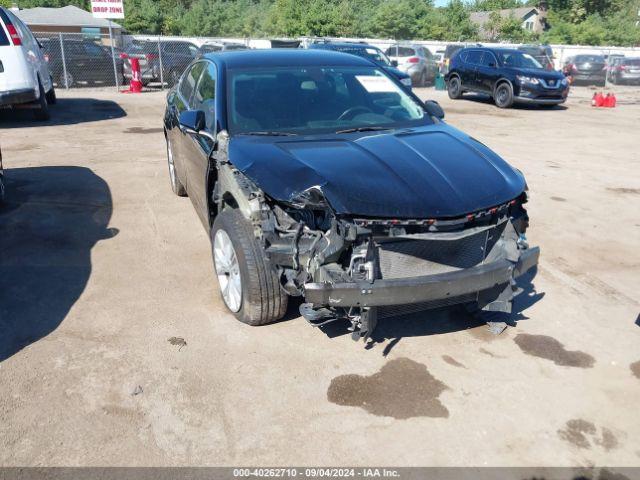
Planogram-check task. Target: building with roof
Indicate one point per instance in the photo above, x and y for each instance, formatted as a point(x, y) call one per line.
point(534, 19)
point(69, 19)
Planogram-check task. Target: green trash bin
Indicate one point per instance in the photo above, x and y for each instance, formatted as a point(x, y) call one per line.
point(439, 83)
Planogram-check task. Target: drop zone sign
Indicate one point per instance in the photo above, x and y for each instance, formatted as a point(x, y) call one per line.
point(107, 8)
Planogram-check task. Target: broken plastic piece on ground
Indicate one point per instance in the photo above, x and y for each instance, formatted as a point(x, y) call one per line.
point(179, 341)
point(137, 391)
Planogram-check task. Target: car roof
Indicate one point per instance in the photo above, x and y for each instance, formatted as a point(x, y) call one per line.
point(282, 57)
point(330, 45)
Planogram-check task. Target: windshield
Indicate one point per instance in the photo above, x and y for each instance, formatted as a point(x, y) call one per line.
point(370, 53)
point(518, 60)
point(308, 100)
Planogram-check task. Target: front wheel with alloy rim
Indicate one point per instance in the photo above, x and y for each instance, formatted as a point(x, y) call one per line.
point(176, 184)
point(503, 96)
point(454, 88)
point(249, 285)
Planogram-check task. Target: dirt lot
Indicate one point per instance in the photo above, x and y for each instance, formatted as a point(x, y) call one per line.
point(101, 265)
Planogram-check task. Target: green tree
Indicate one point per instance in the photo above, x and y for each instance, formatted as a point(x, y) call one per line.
point(142, 16)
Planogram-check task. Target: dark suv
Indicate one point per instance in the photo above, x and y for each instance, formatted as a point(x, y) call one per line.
point(507, 75)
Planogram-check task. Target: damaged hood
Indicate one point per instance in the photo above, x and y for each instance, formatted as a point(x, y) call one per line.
point(425, 172)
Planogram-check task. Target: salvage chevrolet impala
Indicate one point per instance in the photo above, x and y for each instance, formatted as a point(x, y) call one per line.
point(317, 175)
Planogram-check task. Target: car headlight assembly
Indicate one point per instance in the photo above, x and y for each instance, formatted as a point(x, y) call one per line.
point(406, 81)
point(564, 82)
point(529, 80)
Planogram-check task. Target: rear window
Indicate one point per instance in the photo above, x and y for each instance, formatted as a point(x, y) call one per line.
point(401, 52)
point(4, 40)
point(142, 47)
point(589, 58)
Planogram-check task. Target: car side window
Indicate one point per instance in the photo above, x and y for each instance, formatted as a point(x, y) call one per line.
point(205, 95)
point(93, 50)
point(474, 57)
point(489, 60)
point(189, 81)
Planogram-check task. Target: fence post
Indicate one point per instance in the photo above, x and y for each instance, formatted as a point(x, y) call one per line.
point(161, 66)
point(64, 63)
point(113, 57)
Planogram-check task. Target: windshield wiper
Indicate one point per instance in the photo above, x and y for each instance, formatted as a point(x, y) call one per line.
point(270, 134)
point(363, 129)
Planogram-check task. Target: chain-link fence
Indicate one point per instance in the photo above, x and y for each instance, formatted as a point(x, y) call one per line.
point(80, 60)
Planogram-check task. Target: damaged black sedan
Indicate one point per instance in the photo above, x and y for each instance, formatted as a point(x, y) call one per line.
point(317, 175)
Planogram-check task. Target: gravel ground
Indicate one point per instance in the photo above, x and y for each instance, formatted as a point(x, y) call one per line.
point(115, 348)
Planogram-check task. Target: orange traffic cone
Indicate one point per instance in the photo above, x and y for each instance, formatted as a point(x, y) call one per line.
point(135, 86)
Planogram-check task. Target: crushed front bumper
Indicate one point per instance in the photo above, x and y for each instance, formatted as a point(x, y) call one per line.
point(421, 289)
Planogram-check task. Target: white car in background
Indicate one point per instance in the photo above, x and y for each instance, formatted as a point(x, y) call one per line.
point(25, 80)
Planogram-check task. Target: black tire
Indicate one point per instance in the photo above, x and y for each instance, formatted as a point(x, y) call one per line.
point(454, 87)
point(176, 184)
point(503, 95)
point(42, 110)
point(263, 300)
point(51, 96)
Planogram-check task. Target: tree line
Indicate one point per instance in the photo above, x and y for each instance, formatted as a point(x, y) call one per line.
point(585, 22)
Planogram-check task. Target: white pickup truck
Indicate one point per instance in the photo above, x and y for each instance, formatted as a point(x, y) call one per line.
point(25, 80)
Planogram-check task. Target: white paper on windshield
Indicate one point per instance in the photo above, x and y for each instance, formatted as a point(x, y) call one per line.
point(375, 83)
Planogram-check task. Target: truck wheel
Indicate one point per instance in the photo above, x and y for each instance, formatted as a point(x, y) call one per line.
point(249, 285)
point(176, 184)
point(454, 88)
point(503, 96)
point(42, 110)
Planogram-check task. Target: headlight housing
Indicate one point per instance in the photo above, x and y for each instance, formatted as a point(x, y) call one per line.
point(529, 80)
point(406, 81)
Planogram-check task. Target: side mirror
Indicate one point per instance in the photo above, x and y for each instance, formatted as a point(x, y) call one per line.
point(492, 65)
point(434, 109)
point(192, 121)
point(394, 63)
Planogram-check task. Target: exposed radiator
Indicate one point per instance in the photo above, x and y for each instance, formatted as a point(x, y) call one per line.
point(406, 258)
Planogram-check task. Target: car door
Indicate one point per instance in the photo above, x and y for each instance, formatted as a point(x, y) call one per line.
point(468, 73)
point(198, 149)
point(179, 101)
point(487, 72)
